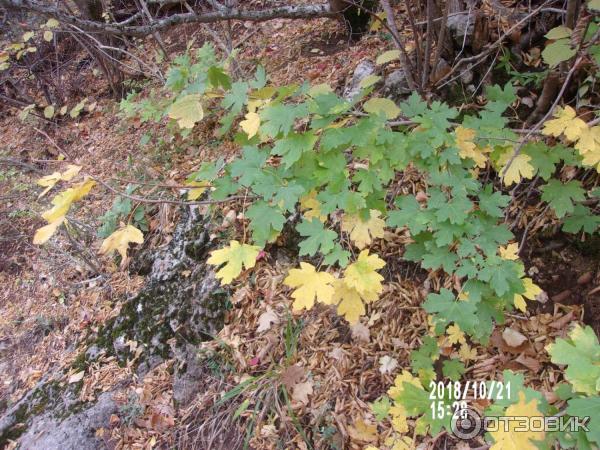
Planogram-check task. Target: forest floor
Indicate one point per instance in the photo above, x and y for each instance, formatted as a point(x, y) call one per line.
point(51, 299)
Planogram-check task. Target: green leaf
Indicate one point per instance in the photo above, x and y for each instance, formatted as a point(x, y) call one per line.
point(381, 408)
point(317, 237)
point(380, 105)
point(266, 222)
point(408, 214)
point(581, 353)
point(581, 219)
point(453, 369)
point(293, 145)
point(559, 33)
point(236, 98)
point(386, 57)
point(562, 195)
point(337, 255)
point(557, 52)
point(217, 77)
point(543, 158)
point(587, 407)
point(249, 167)
point(493, 203)
point(450, 310)
point(280, 118)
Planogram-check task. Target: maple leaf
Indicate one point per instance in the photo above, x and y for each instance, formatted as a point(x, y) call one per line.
point(362, 276)
point(387, 364)
point(198, 190)
point(531, 292)
point(363, 431)
point(565, 123)
point(49, 181)
point(44, 233)
point(251, 124)
point(301, 391)
point(511, 251)
point(506, 438)
point(62, 202)
point(589, 140)
point(519, 168)
point(235, 256)
point(310, 285)
point(349, 301)
point(266, 319)
point(455, 335)
point(398, 388)
point(312, 207)
point(468, 149)
point(362, 232)
point(187, 111)
point(120, 239)
point(467, 353)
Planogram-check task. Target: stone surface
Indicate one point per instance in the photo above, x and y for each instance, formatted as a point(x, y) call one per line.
point(396, 85)
point(362, 71)
point(76, 432)
point(462, 28)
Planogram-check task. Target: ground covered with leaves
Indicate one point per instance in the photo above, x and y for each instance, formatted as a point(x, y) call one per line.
point(275, 376)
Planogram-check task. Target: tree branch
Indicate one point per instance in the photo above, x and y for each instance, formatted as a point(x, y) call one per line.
point(280, 12)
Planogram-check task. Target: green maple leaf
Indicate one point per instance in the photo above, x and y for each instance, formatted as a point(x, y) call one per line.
point(448, 309)
point(217, 77)
point(543, 158)
point(369, 181)
point(502, 275)
point(337, 255)
point(287, 196)
point(447, 233)
point(410, 214)
point(492, 203)
point(381, 408)
point(439, 257)
point(266, 222)
point(224, 187)
point(557, 52)
point(317, 237)
point(281, 118)
point(293, 145)
point(512, 384)
point(562, 195)
point(235, 99)
point(587, 407)
point(249, 167)
point(581, 353)
point(455, 210)
point(581, 219)
point(414, 106)
point(453, 369)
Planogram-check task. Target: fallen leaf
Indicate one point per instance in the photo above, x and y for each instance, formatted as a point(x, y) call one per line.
point(301, 391)
point(266, 319)
point(360, 332)
point(76, 377)
point(292, 376)
point(363, 431)
point(387, 364)
point(513, 337)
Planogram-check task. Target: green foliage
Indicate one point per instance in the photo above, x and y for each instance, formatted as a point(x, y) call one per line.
point(121, 211)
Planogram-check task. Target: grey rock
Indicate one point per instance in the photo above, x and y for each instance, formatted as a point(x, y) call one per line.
point(462, 28)
point(76, 432)
point(188, 376)
point(363, 70)
point(396, 85)
point(466, 75)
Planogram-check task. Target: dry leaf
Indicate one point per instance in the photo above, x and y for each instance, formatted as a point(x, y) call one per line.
point(76, 377)
point(301, 391)
point(363, 432)
point(513, 337)
point(360, 332)
point(292, 376)
point(266, 319)
point(387, 364)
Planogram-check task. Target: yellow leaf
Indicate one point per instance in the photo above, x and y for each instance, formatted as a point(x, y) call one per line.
point(120, 239)
point(62, 202)
point(379, 105)
point(403, 443)
point(508, 438)
point(52, 23)
point(519, 168)
point(49, 112)
point(455, 335)
point(467, 353)
point(363, 432)
point(362, 276)
point(531, 292)
point(511, 251)
point(399, 421)
point(251, 124)
point(48, 35)
point(362, 232)
point(565, 123)
point(468, 149)
point(369, 81)
point(349, 301)
point(194, 194)
point(44, 233)
point(386, 57)
point(520, 302)
point(27, 36)
point(312, 207)
point(398, 388)
point(234, 257)
point(187, 111)
point(310, 285)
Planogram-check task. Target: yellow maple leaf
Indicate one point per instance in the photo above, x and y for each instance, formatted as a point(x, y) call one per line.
point(349, 301)
point(234, 257)
point(455, 335)
point(466, 353)
point(43, 234)
point(199, 189)
point(49, 181)
point(362, 276)
point(566, 123)
point(511, 251)
point(405, 377)
point(310, 285)
point(507, 438)
point(399, 423)
point(187, 111)
point(518, 169)
point(363, 431)
point(468, 149)
point(312, 207)
point(589, 140)
point(120, 239)
point(362, 232)
point(62, 202)
point(532, 290)
point(403, 443)
point(250, 124)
